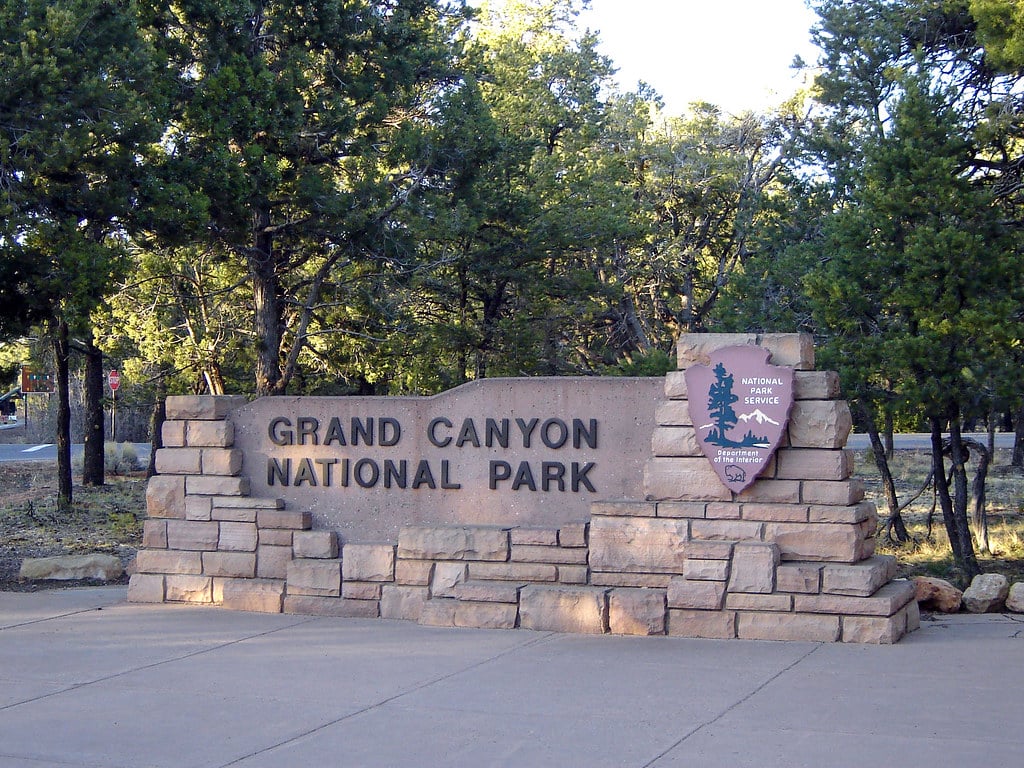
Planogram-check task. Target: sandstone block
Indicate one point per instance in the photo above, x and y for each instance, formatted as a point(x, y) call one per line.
point(528, 553)
point(792, 349)
point(1015, 597)
point(816, 385)
point(753, 568)
point(272, 562)
point(71, 567)
point(636, 612)
point(884, 602)
point(772, 492)
point(697, 348)
point(718, 510)
point(638, 544)
point(488, 591)
point(202, 406)
point(368, 562)
point(221, 461)
point(526, 572)
point(683, 480)
point(564, 608)
point(199, 508)
point(748, 601)
point(814, 464)
point(858, 513)
point(210, 434)
point(623, 508)
point(172, 433)
point(316, 545)
point(446, 577)
point(361, 590)
point(275, 537)
point(192, 535)
point(573, 535)
point(688, 509)
point(188, 589)
point(449, 542)
point(696, 595)
point(179, 461)
point(822, 541)
point(547, 537)
point(165, 497)
point(874, 629)
point(320, 578)
point(438, 612)
point(213, 485)
point(642, 580)
point(313, 605)
point(573, 574)
point(842, 493)
point(799, 577)
point(238, 537)
point(675, 441)
point(238, 565)
point(913, 616)
point(485, 615)
point(673, 413)
point(769, 625)
point(154, 534)
point(228, 514)
point(862, 579)
point(709, 550)
point(284, 518)
point(726, 530)
point(706, 570)
point(257, 595)
point(251, 502)
point(145, 588)
point(168, 561)
point(414, 573)
point(987, 593)
point(713, 625)
point(774, 513)
point(402, 602)
point(819, 424)
point(675, 385)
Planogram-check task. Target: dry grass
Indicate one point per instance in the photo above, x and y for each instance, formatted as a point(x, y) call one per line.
point(929, 554)
point(106, 519)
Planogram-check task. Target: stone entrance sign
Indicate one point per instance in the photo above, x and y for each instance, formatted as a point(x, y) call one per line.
point(493, 452)
point(688, 506)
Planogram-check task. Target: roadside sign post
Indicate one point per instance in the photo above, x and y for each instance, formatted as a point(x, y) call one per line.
point(114, 381)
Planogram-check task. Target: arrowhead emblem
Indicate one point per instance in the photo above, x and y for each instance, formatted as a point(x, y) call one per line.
point(740, 407)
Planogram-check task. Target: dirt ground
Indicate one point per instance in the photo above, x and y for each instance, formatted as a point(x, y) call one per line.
point(105, 519)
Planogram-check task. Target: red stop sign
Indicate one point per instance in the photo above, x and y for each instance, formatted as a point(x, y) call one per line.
point(114, 380)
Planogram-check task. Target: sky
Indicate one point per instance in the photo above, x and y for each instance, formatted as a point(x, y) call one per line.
point(732, 53)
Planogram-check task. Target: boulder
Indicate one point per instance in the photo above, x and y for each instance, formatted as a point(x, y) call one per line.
point(72, 567)
point(987, 593)
point(937, 594)
point(1015, 600)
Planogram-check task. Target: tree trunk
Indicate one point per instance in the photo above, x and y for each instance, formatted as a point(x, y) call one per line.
point(890, 443)
point(979, 516)
point(954, 507)
point(267, 309)
point(1018, 440)
point(95, 417)
point(156, 423)
point(895, 528)
point(63, 380)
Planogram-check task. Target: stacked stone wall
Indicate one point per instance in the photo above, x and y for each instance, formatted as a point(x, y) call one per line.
point(789, 558)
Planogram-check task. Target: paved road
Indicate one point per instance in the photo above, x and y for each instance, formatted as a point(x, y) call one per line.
point(11, 452)
point(87, 680)
point(924, 441)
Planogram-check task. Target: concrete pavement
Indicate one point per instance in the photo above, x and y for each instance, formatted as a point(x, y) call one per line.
point(89, 680)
